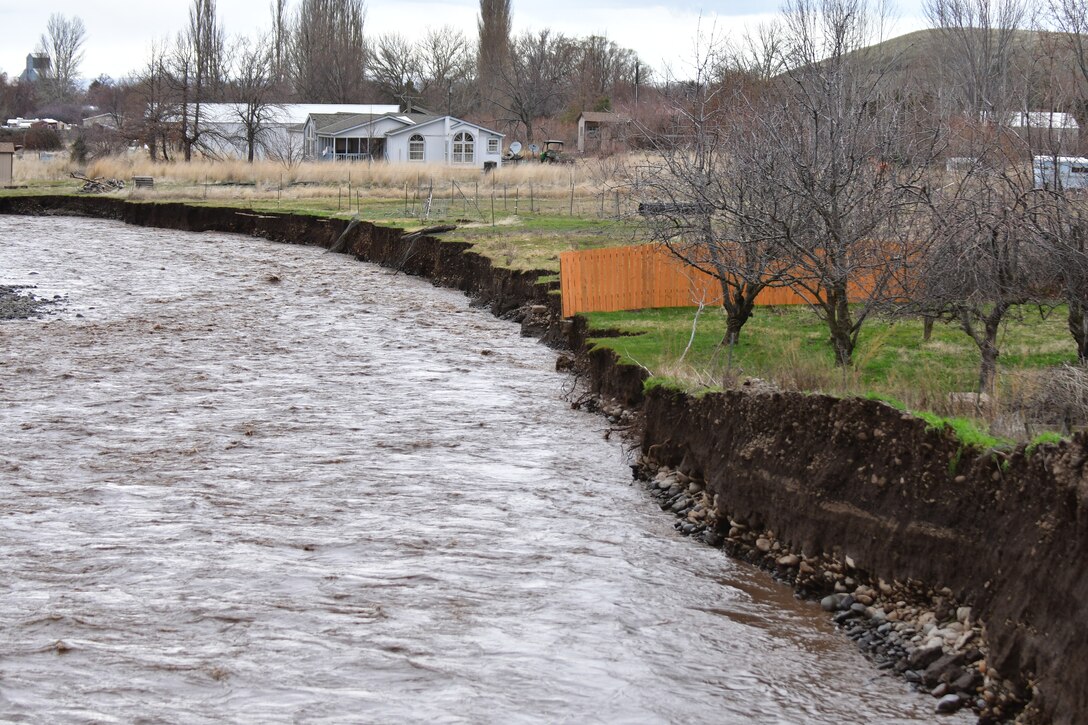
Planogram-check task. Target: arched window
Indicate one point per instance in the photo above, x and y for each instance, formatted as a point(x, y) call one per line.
point(416, 147)
point(464, 148)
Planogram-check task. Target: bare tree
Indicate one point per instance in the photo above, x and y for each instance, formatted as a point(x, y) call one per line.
point(980, 39)
point(156, 101)
point(494, 48)
point(63, 42)
point(329, 51)
point(447, 63)
point(253, 86)
point(395, 67)
point(987, 256)
point(708, 196)
point(1066, 225)
point(280, 40)
point(604, 72)
point(840, 146)
point(199, 62)
point(536, 81)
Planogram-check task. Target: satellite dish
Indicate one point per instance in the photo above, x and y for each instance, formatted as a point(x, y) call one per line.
point(515, 148)
point(533, 148)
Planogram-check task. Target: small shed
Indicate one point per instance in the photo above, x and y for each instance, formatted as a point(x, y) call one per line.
point(7, 163)
point(601, 132)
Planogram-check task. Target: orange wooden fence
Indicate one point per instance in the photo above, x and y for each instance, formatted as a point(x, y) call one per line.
point(634, 278)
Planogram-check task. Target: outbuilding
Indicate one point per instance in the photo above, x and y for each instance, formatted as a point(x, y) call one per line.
point(7, 163)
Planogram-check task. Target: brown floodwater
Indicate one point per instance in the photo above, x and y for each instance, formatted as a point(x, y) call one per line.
point(252, 482)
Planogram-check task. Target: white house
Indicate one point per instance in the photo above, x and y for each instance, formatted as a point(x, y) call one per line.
point(402, 137)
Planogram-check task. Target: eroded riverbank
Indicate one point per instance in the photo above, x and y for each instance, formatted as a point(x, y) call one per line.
point(264, 483)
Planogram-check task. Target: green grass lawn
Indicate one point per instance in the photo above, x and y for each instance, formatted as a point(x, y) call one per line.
point(789, 345)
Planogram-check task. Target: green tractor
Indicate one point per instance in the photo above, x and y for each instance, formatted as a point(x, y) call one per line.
point(553, 153)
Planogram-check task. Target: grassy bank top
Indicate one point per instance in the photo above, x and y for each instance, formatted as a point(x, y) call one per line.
point(520, 216)
point(788, 347)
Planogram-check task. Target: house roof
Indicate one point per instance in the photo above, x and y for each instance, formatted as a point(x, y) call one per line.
point(456, 123)
point(346, 123)
point(605, 117)
point(1044, 119)
point(7, 148)
point(292, 113)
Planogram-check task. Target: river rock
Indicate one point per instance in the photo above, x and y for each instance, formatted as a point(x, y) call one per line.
point(968, 682)
point(681, 503)
point(763, 545)
point(833, 602)
point(949, 704)
point(789, 560)
point(922, 658)
point(942, 669)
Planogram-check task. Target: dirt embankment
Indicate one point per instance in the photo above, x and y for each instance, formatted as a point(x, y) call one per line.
point(850, 478)
point(859, 480)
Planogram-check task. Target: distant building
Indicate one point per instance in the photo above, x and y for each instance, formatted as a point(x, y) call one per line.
point(1045, 128)
point(38, 66)
point(25, 123)
point(602, 132)
point(102, 120)
point(401, 137)
point(1060, 172)
point(7, 163)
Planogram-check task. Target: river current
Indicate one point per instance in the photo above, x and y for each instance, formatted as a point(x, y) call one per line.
point(250, 482)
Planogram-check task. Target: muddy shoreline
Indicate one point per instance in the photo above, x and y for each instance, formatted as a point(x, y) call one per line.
point(841, 498)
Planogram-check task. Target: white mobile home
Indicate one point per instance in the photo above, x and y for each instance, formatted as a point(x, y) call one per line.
point(1060, 172)
point(402, 137)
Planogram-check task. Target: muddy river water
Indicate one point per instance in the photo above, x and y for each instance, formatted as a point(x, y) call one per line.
point(250, 482)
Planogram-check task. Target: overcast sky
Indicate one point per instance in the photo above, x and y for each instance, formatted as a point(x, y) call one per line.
point(120, 32)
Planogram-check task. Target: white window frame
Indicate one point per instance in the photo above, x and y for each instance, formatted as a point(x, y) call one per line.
point(464, 148)
point(417, 153)
point(492, 146)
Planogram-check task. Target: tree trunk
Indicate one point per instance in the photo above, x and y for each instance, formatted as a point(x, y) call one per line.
point(988, 369)
point(1078, 326)
point(734, 321)
point(738, 307)
point(839, 324)
point(987, 346)
point(927, 328)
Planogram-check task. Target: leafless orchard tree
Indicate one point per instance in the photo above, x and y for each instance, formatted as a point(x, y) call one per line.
point(62, 41)
point(1066, 224)
point(843, 151)
point(329, 52)
point(987, 257)
point(710, 198)
point(989, 253)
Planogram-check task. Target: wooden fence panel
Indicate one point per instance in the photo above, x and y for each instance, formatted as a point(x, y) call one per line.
point(642, 277)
